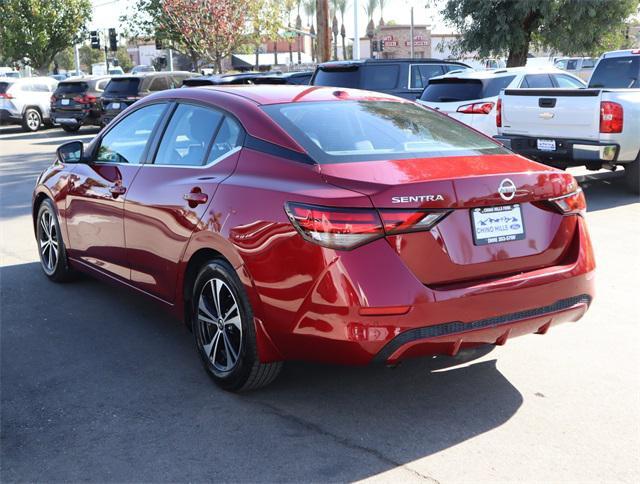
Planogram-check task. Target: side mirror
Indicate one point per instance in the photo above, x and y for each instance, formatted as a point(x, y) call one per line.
point(70, 152)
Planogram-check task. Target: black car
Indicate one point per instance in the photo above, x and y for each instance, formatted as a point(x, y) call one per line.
point(122, 91)
point(75, 102)
point(405, 78)
point(250, 78)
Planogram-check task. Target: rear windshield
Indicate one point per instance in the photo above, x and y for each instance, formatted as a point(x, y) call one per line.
point(452, 90)
point(617, 72)
point(72, 87)
point(350, 131)
point(347, 77)
point(123, 86)
point(4, 86)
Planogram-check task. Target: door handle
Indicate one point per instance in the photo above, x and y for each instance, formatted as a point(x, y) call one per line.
point(117, 190)
point(196, 197)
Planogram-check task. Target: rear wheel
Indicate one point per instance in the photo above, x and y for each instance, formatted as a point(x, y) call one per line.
point(632, 176)
point(31, 120)
point(70, 128)
point(224, 331)
point(53, 256)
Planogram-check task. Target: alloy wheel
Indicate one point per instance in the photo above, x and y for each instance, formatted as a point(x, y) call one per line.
point(49, 242)
point(220, 325)
point(33, 120)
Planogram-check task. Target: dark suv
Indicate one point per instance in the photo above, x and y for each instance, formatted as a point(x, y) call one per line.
point(75, 102)
point(400, 77)
point(122, 91)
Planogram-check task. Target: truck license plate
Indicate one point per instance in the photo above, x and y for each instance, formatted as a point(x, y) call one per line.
point(497, 224)
point(547, 144)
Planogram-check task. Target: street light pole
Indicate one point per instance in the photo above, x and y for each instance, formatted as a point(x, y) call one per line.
point(411, 35)
point(356, 29)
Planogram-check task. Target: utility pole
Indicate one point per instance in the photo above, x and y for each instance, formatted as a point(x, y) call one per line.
point(76, 54)
point(411, 41)
point(324, 34)
point(356, 30)
point(170, 58)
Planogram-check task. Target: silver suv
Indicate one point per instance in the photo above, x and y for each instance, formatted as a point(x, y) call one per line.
point(26, 101)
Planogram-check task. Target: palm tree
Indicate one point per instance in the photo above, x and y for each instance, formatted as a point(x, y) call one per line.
point(342, 8)
point(310, 11)
point(381, 3)
point(370, 8)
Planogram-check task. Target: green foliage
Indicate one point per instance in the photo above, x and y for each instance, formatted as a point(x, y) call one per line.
point(89, 56)
point(123, 58)
point(498, 27)
point(38, 30)
point(65, 59)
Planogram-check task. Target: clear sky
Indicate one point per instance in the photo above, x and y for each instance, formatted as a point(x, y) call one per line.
point(106, 13)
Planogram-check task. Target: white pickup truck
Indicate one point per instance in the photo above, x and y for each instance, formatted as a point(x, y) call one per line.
point(597, 127)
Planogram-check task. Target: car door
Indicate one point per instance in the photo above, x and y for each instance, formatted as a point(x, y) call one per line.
point(98, 189)
point(198, 149)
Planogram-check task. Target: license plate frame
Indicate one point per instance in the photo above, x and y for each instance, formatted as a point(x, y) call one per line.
point(501, 223)
point(546, 144)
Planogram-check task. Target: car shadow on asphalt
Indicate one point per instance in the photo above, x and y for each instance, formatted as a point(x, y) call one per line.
point(17, 134)
point(98, 383)
point(606, 190)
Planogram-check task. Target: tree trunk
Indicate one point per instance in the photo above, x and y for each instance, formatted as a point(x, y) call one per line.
point(257, 58)
point(518, 52)
point(324, 34)
point(344, 48)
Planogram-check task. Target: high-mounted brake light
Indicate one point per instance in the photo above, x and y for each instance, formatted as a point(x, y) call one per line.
point(611, 117)
point(348, 228)
point(476, 108)
point(571, 204)
point(499, 113)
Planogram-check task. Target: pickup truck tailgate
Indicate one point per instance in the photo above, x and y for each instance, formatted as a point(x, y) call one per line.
point(569, 113)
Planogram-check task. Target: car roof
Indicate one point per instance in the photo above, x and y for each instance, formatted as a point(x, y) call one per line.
point(349, 63)
point(495, 73)
point(621, 53)
point(265, 94)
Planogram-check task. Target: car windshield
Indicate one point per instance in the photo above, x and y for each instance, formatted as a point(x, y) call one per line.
point(349, 131)
point(617, 72)
point(71, 87)
point(126, 86)
point(453, 90)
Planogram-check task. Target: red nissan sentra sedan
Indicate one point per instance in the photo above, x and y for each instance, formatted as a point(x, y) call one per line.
point(310, 223)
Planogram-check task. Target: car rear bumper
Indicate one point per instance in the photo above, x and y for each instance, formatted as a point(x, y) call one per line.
point(569, 152)
point(73, 117)
point(332, 327)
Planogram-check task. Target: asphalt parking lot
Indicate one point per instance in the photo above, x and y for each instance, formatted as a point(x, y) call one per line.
point(98, 384)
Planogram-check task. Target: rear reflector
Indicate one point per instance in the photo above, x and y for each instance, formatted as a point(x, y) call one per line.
point(348, 228)
point(476, 108)
point(571, 204)
point(611, 117)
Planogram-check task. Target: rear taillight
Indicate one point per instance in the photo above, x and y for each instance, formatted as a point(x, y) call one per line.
point(5, 95)
point(476, 108)
point(346, 228)
point(499, 113)
point(572, 204)
point(53, 99)
point(611, 117)
point(86, 99)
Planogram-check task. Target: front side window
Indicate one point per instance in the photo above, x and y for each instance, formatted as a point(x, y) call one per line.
point(188, 136)
point(127, 140)
point(350, 131)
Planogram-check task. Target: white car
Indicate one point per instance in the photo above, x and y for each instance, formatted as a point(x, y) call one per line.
point(471, 96)
point(26, 101)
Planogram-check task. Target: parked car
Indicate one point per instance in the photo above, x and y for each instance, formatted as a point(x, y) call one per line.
point(401, 77)
point(142, 68)
point(233, 79)
point(289, 223)
point(25, 101)
point(58, 77)
point(597, 127)
point(300, 77)
point(76, 102)
point(8, 72)
point(471, 96)
point(122, 91)
point(581, 67)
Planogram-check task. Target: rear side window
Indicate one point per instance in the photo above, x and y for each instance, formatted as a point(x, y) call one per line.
point(617, 72)
point(72, 88)
point(537, 81)
point(4, 87)
point(379, 77)
point(160, 83)
point(348, 77)
point(572, 65)
point(588, 63)
point(188, 136)
point(123, 87)
point(351, 131)
point(420, 74)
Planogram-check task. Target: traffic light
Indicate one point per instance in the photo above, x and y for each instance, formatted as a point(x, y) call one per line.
point(113, 39)
point(95, 39)
point(381, 46)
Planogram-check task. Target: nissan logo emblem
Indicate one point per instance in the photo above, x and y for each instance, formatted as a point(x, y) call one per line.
point(507, 189)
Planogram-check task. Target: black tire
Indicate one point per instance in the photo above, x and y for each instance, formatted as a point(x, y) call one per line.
point(53, 261)
point(632, 176)
point(70, 128)
point(235, 332)
point(31, 120)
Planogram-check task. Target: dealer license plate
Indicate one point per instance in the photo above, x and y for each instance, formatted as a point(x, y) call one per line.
point(497, 224)
point(546, 144)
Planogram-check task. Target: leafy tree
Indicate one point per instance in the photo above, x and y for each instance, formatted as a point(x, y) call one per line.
point(38, 30)
point(65, 59)
point(124, 60)
point(266, 18)
point(89, 56)
point(496, 27)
